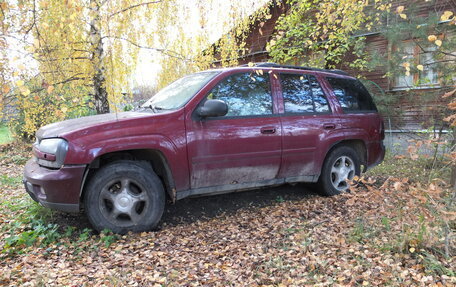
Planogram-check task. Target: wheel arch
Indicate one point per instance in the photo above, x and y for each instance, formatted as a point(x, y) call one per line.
point(358, 145)
point(154, 157)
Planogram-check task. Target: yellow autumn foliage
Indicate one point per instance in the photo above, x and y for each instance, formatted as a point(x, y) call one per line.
point(82, 55)
point(200, 53)
point(74, 52)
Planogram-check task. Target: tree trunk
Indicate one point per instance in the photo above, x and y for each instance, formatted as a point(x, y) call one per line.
point(453, 165)
point(96, 42)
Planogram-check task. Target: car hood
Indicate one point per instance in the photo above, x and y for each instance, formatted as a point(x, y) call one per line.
point(64, 127)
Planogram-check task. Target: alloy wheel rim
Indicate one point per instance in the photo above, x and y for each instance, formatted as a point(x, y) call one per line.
point(124, 202)
point(342, 170)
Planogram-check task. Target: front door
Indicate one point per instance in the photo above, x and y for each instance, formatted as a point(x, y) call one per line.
point(244, 146)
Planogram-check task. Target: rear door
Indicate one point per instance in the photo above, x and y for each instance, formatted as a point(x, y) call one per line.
point(309, 126)
point(245, 145)
point(359, 116)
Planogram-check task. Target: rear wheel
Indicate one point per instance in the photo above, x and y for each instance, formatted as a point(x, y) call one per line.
point(340, 166)
point(124, 196)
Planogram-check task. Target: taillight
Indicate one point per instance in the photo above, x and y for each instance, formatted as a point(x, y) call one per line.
point(382, 130)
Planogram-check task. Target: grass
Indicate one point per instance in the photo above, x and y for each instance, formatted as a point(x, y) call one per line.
point(5, 134)
point(31, 222)
point(31, 225)
point(10, 180)
point(362, 232)
point(434, 266)
point(420, 170)
point(420, 238)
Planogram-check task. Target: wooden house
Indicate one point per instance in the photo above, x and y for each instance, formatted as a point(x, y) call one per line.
point(405, 113)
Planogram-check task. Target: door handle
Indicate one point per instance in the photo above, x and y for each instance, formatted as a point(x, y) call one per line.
point(268, 130)
point(329, 126)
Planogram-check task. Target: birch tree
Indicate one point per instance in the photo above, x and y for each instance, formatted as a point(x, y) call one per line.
point(80, 55)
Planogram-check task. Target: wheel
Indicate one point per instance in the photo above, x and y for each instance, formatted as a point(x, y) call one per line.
point(341, 165)
point(124, 196)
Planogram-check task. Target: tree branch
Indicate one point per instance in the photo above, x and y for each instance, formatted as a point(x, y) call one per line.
point(435, 51)
point(62, 59)
point(34, 20)
point(448, 54)
point(440, 61)
point(72, 78)
point(163, 51)
point(135, 6)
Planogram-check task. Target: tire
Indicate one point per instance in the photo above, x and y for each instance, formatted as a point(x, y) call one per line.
point(124, 196)
point(340, 165)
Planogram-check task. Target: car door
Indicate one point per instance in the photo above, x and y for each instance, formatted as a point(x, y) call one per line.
point(308, 126)
point(244, 146)
point(359, 117)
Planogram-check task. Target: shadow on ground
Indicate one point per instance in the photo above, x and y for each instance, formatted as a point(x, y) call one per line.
point(190, 210)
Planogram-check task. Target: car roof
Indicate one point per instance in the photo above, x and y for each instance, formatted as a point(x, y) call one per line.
point(274, 66)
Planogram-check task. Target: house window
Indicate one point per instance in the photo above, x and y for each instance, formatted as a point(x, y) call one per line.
point(413, 56)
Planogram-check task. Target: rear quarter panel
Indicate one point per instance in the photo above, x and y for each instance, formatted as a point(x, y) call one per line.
point(366, 127)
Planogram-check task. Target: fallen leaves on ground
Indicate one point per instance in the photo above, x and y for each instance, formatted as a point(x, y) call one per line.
point(354, 239)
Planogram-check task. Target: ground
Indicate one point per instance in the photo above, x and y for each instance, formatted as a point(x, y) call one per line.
point(386, 232)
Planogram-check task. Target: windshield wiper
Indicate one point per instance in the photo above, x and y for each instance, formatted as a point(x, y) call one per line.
point(155, 109)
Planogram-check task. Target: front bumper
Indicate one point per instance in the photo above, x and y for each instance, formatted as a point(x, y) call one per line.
point(54, 188)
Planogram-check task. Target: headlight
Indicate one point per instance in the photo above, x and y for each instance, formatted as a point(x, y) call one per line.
point(51, 152)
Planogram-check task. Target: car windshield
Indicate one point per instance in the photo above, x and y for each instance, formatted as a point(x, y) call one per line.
point(179, 92)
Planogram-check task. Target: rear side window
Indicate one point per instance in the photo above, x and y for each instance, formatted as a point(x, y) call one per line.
point(302, 94)
point(352, 95)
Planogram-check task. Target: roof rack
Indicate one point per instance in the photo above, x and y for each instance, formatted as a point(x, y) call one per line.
point(274, 65)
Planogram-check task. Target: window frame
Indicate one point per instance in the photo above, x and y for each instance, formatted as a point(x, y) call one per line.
point(416, 75)
point(282, 99)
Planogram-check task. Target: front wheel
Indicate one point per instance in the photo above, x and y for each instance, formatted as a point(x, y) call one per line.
point(124, 196)
point(340, 166)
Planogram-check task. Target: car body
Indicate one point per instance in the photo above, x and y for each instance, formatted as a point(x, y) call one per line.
point(225, 130)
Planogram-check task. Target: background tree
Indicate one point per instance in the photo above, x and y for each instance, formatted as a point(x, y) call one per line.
point(92, 43)
point(78, 56)
point(320, 33)
point(428, 51)
point(430, 48)
point(73, 56)
point(422, 50)
point(9, 15)
point(218, 41)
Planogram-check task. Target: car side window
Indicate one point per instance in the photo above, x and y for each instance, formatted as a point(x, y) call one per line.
point(246, 94)
point(303, 94)
point(352, 95)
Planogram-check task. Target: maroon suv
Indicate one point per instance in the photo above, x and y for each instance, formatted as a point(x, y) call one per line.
point(207, 133)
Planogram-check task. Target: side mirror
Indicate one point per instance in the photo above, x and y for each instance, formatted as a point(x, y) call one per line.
point(212, 108)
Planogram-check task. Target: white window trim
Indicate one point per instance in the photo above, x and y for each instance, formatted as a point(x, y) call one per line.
point(415, 75)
